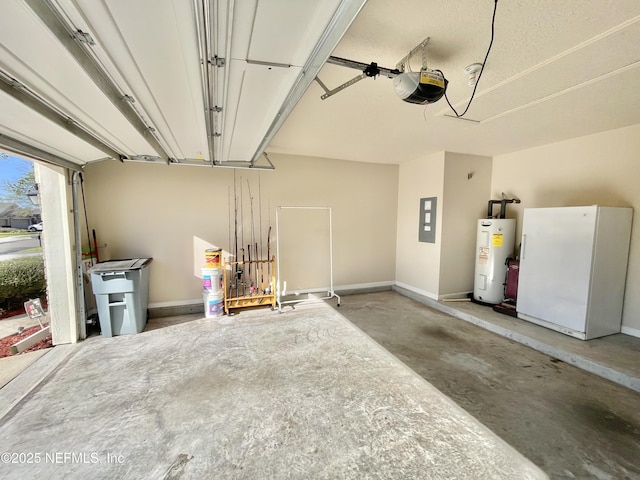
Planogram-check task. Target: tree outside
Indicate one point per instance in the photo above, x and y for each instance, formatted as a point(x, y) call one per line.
point(17, 179)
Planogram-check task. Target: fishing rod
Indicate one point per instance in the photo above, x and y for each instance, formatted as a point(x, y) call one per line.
point(269, 260)
point(252, 235)
point(235, 244)
point(229, 245)
point(260, 216)
point(256, 287)
point(242, 237)
point(250, 282)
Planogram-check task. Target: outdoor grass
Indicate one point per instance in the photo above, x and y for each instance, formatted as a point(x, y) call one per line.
point(32, 250)
point(16, 233)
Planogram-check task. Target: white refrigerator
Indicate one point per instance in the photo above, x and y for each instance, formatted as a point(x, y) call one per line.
point(573, 264)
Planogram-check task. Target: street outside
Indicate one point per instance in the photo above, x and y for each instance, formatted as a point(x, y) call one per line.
point(11, 247)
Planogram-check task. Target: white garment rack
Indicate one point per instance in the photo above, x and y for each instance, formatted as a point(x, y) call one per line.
point(280, 293)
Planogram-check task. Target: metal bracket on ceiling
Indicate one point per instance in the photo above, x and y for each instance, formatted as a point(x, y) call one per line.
point(372, 69)
point(84, 37)
point(196, 162)
point(268, 160)
point(243, 164)
point(421, 47)
point(268, 64)
point(145, 158)
point(16, 84)
point(128, 98)
point(216, 109)
point(368, 70)
point(218, 62)
point(339, 88)
point(252, 164)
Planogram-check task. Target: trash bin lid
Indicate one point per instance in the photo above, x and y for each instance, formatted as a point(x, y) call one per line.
point(120, 265)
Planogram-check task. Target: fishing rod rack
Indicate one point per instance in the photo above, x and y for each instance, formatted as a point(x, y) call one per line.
point(249, 280)
point(249, 284)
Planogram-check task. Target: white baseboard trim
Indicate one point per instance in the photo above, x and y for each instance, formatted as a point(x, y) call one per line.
point(354, 287)
point(419, 291)
point(634, 332)
point(364, 286)
point(455, 295)
point(338, 288)
point(176, 303)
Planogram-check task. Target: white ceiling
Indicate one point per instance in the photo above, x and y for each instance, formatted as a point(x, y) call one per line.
point(557, 70)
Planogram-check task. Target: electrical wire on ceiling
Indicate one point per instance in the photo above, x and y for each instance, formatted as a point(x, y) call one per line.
point(484, 63)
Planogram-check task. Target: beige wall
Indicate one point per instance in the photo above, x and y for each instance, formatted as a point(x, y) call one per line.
point(159, 211)
point(418, 263)
point(598, 169)
point(444, 268)
point(465, 201)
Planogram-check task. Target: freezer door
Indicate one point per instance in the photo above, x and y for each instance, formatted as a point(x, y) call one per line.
point(555, 265)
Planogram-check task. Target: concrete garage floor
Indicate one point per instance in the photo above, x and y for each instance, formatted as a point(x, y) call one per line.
point(571, 423)
point(260, 395)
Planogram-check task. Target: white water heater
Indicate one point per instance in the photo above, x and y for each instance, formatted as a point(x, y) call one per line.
point(494, 243)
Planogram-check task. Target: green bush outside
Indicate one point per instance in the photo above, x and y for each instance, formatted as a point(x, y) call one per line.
point(20, 280)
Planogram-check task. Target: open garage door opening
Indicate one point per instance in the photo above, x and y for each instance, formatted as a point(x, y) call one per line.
point(37, 247)
point(23, 299)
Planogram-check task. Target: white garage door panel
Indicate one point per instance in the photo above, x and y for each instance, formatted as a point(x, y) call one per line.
point(54, 75)
point(19, 122)
point(253, 88)
point(158, 64)
point(300, 24)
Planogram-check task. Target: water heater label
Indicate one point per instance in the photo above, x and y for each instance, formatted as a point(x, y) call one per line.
point(483, 255)
point(497, 239)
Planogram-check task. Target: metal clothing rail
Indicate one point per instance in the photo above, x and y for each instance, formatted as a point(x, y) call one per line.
point(280, 292)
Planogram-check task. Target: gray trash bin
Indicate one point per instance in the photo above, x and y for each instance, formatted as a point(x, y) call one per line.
point(121, 288)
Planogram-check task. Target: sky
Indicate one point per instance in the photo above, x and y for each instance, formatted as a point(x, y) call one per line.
point(12, 169)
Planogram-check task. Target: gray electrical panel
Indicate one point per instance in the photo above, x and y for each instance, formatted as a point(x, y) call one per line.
point(427, 221)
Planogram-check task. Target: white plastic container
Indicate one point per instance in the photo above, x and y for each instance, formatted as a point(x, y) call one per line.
point(212, 279)
point(213, 304)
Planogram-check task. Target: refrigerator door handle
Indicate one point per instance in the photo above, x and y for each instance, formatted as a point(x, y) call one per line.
point(524, 245)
